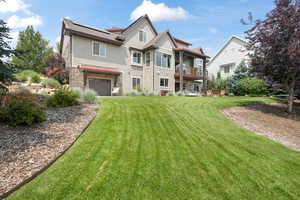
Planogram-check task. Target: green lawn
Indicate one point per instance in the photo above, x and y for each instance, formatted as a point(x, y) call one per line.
point(169, 148)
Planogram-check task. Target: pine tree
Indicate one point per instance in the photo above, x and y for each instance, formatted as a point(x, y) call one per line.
point(35, 50)
point(6, 70)
point(242, 71)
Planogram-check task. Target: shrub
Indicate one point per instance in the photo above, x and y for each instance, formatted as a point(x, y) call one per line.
point(134, 93)
point(179, 94)
point(26, 75)
point(36, 78)
point(171, 94)
point(251, 86)
point(63, 97)
point(78, 91)
point(22, 108)
point(51, 83)
point(89, 96)
point(61, 77)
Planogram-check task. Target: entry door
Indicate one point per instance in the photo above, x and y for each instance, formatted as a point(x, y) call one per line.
point(101, 86)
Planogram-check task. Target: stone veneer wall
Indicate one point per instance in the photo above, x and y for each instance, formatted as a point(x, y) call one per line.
point(76, 77)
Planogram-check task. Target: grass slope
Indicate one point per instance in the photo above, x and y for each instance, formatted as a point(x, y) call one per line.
point(169, 148)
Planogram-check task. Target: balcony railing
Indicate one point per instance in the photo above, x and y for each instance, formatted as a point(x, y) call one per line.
point(190, 71)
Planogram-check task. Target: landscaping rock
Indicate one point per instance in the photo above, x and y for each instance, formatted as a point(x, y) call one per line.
point(26, 150)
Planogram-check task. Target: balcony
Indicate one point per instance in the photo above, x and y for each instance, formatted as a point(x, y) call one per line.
point(189, 73)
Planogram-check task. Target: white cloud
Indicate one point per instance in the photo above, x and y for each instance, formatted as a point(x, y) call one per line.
point(13, 6)
point(18, 22)
point(14, 38)
point(158, 12)
point(212, 30)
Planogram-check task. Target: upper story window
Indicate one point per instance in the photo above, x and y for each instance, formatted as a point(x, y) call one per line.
point(99, 49)
point(163, 60)
point(227, 69)
point(136, 57)
point(147, 59)
point(142, 36)
point(198, 63)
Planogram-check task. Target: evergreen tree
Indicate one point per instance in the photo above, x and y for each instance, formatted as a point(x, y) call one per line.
point(6, 70)
point(241, 72)
point(35, 50)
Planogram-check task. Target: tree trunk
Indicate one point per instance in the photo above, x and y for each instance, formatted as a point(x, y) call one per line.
point(291, 97)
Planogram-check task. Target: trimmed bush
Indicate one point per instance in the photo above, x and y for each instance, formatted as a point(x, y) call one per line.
point(89, 96)
point(22, 108)
point(63, 97)
point(26, 75)
point(36, 78)
point(251, 86)
point(51, 83)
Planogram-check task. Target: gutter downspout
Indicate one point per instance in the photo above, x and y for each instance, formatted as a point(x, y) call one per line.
point(153, 70)
point(181, 70)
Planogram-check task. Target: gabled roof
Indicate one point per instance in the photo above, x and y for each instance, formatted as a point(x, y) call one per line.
point(153, 43)
point(182, 41)
point(196, 52)
point(226, 44)
point(90, 32)
point(115, 29)
point(138, 20)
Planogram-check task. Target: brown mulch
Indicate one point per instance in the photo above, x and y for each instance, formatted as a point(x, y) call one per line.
point(270, 120)
point(26, 150)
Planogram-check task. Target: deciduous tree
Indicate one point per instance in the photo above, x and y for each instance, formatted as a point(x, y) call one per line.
point(274, 44)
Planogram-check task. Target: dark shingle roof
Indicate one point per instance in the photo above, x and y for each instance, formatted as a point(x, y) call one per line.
point(94, 33)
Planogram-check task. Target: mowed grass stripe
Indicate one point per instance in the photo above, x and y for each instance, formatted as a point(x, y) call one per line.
point(169, 148)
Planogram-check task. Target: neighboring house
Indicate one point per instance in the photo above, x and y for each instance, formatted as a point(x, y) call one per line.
point(228, 58)
point(117, 61)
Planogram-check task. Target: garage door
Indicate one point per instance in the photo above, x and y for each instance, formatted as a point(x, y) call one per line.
point(101, 86)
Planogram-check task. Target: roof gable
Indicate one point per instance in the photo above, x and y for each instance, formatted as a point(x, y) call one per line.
point(154, 42)
point(226, 45)
point(144, 17)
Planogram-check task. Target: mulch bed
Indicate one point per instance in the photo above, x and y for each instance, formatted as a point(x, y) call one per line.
point(26, 150)
point(270, 120)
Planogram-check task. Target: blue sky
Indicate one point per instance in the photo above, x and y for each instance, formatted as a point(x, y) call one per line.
point(205, 23)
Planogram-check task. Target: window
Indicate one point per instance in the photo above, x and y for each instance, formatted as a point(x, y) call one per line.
point(196, 88)
point(198, 63)
point(163, 60)
point(148, 58)
point(136, 83)
point(137, 57)
point(164, 82)
point(142, 36)
point(158, 59)
point(227, 69)
point(99, 49)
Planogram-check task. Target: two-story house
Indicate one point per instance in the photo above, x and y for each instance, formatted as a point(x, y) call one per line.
point(228, 58)
point(120, 60)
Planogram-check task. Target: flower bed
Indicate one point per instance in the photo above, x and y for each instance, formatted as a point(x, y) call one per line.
point(24, 151)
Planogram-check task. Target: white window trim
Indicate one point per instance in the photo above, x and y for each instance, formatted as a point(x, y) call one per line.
point(139, 77)
point(162, 59)
point(131, 57)
point(148, 52)
point(144, 34)
point(164, 77)
point(100, 43)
